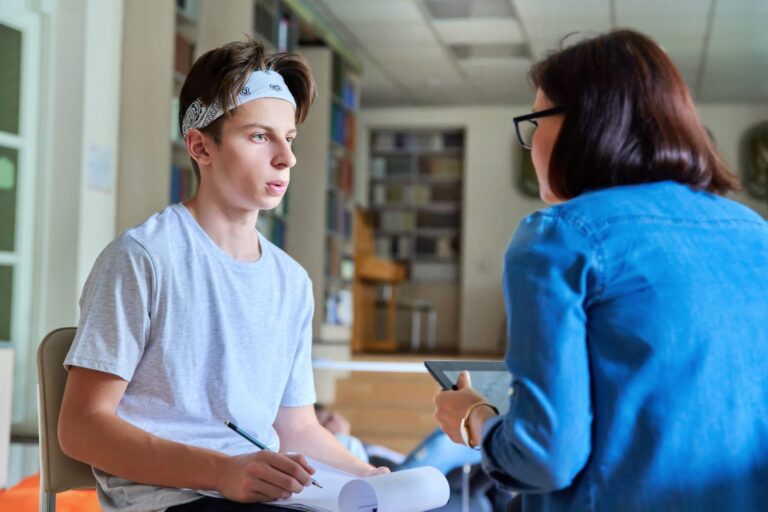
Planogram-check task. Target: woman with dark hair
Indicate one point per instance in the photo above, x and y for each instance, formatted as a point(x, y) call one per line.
point(636, 303)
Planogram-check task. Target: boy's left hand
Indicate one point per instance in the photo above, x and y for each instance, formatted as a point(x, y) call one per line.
point(451, 406)
point(381, 470)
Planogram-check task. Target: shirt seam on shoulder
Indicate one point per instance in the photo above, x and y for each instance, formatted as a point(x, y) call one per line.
point(152, 276)
point(591, 237)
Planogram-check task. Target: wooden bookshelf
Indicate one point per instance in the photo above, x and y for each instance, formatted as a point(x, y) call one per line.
point(277, 27)
point(183, 183)
point(322, 200)
point(416, 179)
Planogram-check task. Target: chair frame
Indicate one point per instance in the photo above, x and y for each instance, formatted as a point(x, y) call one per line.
point(58, 472)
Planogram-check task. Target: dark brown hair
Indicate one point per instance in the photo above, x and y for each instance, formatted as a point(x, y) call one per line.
point(219, 74)
point(628, 119)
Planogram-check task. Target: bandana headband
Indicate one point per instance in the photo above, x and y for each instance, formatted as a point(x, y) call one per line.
point(261, 84)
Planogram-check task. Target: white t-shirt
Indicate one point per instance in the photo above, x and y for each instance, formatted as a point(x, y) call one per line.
point(200, 337)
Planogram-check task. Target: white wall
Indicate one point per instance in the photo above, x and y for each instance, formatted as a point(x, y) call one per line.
point(493, 205)
point(82, 119)
point(145, 111)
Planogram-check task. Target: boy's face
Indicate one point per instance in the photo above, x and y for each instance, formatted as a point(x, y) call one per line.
point(250, 169)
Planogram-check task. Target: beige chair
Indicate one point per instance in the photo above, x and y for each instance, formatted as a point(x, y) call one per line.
point(58, 473)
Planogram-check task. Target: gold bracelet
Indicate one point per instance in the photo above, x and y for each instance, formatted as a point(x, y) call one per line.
point(464, 426)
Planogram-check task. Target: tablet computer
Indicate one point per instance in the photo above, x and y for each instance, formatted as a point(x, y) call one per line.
point(489, 378)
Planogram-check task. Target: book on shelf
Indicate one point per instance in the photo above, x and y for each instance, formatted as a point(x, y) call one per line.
point(183, 54)
point(338, 307)
point(446, 193)
point(341, 173)
point(187, 8)
point(420, 194)
point(378, 195)
point(394, 221)
point(349, 95)
point(396, 193)
point(403, 247)
point(382, 247)
point(440, 166)
point(347, 268)
point(428, 219)
point(272, 227)
point(416, 141)
point(453, 140)
point(350, 131)
point(183, 183)
point(332, 258)
point(342, 127)
point(438, 247)
point(447, 247)
point(281, 210)
point(383, 141)
point(175, 132)
point(278, 232)
point(434, 271)
point(398, 165)
point(265, 24)
point(339, 216)
point(378, 167)
point(287, 33)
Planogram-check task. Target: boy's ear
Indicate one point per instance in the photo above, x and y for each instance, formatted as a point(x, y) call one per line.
point(198, 145)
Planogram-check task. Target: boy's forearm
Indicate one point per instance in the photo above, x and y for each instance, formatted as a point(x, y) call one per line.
point(115, 446)
point(314, 441)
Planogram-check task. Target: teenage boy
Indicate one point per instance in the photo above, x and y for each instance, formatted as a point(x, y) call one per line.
point(193, 318)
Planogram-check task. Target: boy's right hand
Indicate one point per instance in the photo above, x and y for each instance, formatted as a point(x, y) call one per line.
point(263, 476)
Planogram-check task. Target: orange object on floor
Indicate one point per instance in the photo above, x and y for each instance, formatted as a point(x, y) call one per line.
point(25, 497)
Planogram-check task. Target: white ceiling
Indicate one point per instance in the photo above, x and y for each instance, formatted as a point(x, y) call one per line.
point(720, 46)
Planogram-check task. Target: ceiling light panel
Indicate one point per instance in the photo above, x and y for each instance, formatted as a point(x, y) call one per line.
point(371, 32)
point(453, 9)
point(417, 74)
point(479, 31)
point(490, 51)
point(666, 28)
point(673, 9)
point(353, 11)
point(422, 52)
point(564, 10)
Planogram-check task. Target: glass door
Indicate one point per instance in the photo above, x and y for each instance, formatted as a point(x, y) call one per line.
point(19, 59)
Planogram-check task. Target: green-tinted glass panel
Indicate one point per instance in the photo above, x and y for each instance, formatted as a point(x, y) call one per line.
point(9, 159)
point(10, 79)
point(6, 291)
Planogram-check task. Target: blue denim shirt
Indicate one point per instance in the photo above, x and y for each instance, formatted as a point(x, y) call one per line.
point(638, 326)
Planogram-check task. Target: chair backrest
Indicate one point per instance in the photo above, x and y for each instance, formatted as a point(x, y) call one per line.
point(58, 472)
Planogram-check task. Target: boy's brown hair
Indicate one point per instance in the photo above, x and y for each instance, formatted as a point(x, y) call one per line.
point(220, 74)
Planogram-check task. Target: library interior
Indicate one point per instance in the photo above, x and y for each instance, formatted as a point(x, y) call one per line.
point(409, 184)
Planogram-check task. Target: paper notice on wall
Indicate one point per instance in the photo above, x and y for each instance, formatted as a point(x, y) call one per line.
point(100, 168)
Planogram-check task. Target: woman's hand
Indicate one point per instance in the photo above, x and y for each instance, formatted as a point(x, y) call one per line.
point(452, 406)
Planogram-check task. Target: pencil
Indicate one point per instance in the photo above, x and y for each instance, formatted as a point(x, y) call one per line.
point(258, 443)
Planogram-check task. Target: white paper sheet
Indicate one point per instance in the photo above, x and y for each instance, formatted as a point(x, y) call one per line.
point(412, 490)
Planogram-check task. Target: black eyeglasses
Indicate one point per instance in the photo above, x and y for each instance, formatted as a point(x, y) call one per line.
point(527, 124)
